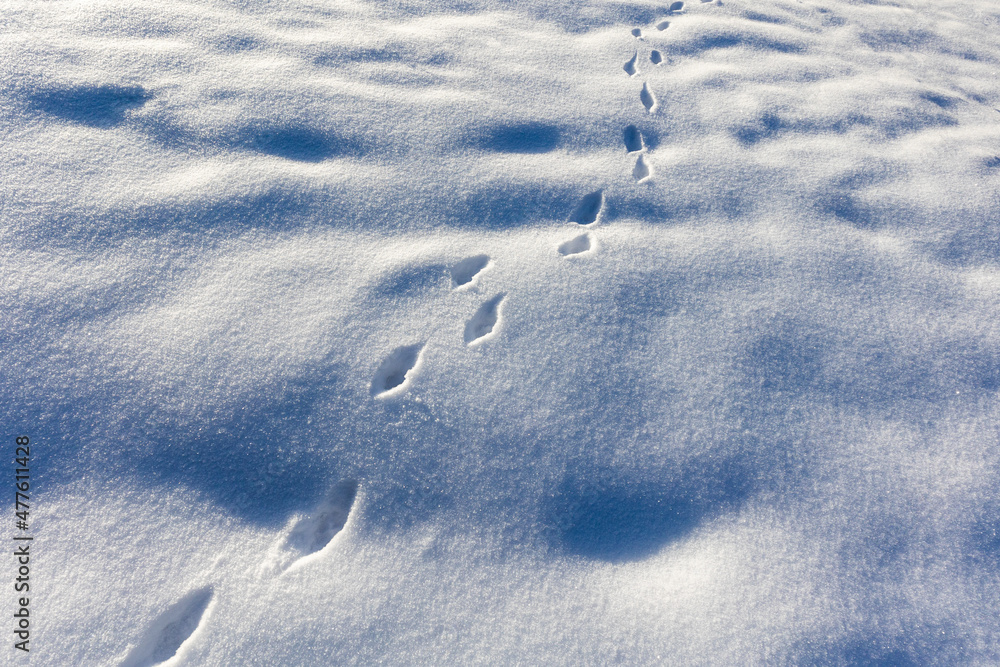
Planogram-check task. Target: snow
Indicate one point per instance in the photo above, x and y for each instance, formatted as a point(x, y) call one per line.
point(505, 333)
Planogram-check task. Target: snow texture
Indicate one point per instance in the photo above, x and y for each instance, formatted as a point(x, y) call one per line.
point(453, 333)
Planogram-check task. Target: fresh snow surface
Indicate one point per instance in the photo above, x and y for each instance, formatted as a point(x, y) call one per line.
point(462, 332)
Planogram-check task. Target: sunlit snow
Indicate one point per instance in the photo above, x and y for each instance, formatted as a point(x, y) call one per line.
point(532, 333)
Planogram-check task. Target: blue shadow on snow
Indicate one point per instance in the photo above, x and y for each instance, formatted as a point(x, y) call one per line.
point(101, 105)
point(612, 518)
point(301, 143)
point(522, 138)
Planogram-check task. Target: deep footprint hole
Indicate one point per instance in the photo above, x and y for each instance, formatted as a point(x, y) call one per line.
point(170, 630)
point(629, 66)
point(484, 321)
point(632, 138)
point(647, 99)
point(465, 271)
point(312, 533)
point(588, 209)
point(394, 371)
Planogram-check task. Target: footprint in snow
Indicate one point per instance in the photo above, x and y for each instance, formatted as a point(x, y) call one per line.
point(663, 25)
point(465, 272)
point(392, 377)
point(588, 210)
point(655, 57)
point(641, 171)
point(485, 321)
point(637, 33)
point(632, 138)
point(313, 532)
point(676, 7)
point(629, 66)
point(581, 244)
point(171, 630)
point(647, 99)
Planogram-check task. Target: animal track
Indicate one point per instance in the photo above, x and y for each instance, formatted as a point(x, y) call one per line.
point(629, 66)
point(581, 243)
point(637, 33)
point(312, 533)
point(676, 7)
point(663, 25)
point(641, 170)
point(655, 57)
point(633, 139)
point(465, 271)
point(170, 630)
point(484, 322)
point(392, 374)
point(647, 99)
point(589, 208)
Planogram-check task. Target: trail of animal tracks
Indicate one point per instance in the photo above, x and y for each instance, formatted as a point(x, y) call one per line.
point(459, 333)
